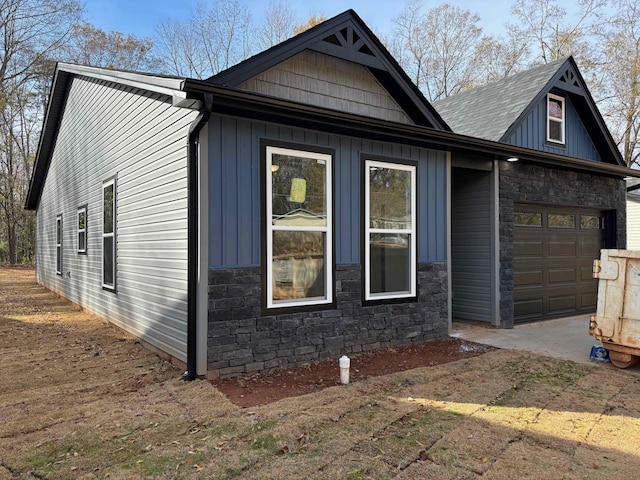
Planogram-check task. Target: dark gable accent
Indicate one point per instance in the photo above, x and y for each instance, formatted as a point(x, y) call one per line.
point(496, 110)
point(347, 37)
point(568, 81)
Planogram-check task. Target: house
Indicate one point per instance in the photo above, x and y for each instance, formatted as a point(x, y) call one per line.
point(303, 204)
point(544, 220)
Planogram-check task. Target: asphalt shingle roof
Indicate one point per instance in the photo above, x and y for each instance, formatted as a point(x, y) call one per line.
point(488, 111)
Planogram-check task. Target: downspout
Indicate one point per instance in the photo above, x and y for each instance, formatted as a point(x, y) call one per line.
point(192, 235)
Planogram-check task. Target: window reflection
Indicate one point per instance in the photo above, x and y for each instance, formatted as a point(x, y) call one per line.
point(389, 198)
point(298, 265)
point(298, 191)
point(390, 262)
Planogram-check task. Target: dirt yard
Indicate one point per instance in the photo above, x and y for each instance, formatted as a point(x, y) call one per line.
point(79, 400)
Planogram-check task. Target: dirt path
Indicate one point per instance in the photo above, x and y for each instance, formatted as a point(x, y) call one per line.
point(80, 400)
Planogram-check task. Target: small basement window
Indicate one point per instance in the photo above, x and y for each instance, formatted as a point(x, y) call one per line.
point(82, 230)
point(555, 118)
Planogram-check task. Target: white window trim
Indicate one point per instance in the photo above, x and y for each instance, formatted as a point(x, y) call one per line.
point(82, 230)
point(106, 184)
point(59, 244)
point(551, 96)
point(368, 231)
point(328, 229)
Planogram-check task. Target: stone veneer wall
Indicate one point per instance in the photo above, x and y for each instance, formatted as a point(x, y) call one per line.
point(520, 182)
point(241, 340)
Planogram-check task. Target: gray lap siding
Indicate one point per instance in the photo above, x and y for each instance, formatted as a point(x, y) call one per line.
point(142, 145)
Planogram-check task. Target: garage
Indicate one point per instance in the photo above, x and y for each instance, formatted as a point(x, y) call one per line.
point(553, 253)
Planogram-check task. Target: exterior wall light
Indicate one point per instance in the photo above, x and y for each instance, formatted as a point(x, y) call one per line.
point(512, 159)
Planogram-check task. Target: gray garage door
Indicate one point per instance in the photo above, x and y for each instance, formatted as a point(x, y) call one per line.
point(553, 253)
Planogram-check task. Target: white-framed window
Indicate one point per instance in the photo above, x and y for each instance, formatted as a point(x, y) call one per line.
point(555, 118)
point(299, 228)
point(82, 229)
point(389, 230)
point(108, 234)
point(59, 244)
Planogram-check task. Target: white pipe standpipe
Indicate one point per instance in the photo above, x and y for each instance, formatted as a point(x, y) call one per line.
point(345, 363)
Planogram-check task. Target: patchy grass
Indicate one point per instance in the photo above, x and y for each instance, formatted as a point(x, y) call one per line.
point(82, 400)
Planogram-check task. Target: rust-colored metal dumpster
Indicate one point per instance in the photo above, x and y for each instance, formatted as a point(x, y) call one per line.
point(617, 320)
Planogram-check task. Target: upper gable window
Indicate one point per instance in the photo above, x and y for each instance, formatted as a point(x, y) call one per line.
point(555, 118)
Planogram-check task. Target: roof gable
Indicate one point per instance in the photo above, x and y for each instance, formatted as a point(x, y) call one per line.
point(490, 110)
point(497, 110)
point(345, 37)
point(328, 82)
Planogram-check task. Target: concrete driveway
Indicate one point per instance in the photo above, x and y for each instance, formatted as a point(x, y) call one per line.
point(567, 338)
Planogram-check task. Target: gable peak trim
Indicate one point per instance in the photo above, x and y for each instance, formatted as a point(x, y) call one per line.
point(570, 78)
point(349, 39)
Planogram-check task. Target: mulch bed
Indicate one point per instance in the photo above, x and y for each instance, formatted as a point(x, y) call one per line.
point(266, 387)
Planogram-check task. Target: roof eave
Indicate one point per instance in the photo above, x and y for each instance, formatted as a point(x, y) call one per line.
point(241, 103)
point(64, 72)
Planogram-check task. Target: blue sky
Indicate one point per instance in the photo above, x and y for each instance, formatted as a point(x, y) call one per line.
point(139, 17)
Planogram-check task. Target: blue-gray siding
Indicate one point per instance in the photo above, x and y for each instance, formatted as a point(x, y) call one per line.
point(235, 202)
point(471, 244)
point(141, 139)
point(532, 133)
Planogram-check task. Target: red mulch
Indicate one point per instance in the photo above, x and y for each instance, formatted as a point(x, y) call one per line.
point(266, 387)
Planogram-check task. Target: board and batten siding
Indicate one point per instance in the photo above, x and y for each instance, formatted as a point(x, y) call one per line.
point(235, 190)
point(633, 222)
point(532, 133)
point(140, 139)
point(324, 81)
point(471, 244)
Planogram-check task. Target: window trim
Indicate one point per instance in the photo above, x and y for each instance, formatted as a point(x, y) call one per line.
point(109, 182)
point(367, 230)
point(551, 96)
point(59, 244)
point(268, 148)
point(82, 209)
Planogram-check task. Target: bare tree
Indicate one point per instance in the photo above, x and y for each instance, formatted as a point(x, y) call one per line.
point(498, 58)
point(19, 130)
point(92, 46)
point(212, 39)
point(621, 91)
point(277, 26)
point(30, 31)
point(552, 33)
point(313, 20)
point(440, 47)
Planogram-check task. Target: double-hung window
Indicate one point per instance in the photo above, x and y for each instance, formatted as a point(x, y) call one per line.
point(108, 234)
point(82, 230)
point(390, 230)
point(299, 228)
point(555, 118)
point(59, 244)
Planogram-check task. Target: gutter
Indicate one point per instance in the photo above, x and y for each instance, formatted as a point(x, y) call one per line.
point(192, 234)
point(236, 102)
